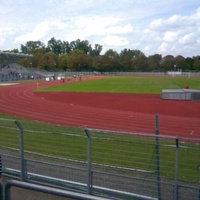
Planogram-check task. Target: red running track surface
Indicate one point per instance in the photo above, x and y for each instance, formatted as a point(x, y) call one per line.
point(121, 112)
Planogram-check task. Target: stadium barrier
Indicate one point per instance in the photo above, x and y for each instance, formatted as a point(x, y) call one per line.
point(45, 189)
point(103, 163)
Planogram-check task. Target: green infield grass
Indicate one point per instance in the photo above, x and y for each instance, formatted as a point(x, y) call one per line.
point(140, 85)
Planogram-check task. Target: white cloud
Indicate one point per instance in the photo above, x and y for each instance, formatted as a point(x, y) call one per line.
point(120, 29)
point(2, 40)
point(167, 27)
point(6, 31)
point(175, 34)
point(38, 33)
point(176, 22)
point(186, 38)
point(166, 48)
point(58, 24)
point(113, 41)
point(191, 38)
point(170, 36)
point(147, 48)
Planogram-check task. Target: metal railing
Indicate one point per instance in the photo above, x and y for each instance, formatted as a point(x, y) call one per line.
point(99, 162)
point(47, 190)
point(42, 74)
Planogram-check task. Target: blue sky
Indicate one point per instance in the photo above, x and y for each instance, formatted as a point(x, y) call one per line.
point(167, 27)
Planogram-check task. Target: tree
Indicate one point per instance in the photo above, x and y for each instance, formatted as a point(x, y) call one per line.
point(81, 45)
point(196, 64)
point(189, 63)
point(76, 60)
point(180, 63)
point(154, 62)
point(14, 51)
point(168, 62)
point(32, 47)
point(114, 59)
point(51, 61)
point(140, 63)
point(55, 46)
point(63, 62)
point(79, 55)
point(127, 56)
point(65, 49)
point(96, 51)
point(39, 60)
point(106, 63)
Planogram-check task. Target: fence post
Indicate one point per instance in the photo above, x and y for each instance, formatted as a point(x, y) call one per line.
point(176, 170)
point(1, 168)
point(23, 163)
point(158, 156)
point(1, 190)
point(89, 172)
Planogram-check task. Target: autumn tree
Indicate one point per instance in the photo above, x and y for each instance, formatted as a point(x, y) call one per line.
point(62, 62)
point(76, 60)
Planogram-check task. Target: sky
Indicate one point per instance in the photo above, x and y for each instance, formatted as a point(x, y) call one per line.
point(166, 27)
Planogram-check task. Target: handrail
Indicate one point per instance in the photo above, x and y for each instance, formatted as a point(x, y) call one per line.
point(48, 190)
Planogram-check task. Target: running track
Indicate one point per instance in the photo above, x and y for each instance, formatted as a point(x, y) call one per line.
point(132, 113)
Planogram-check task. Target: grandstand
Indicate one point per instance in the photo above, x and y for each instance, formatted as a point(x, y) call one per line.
point(9, 58)
point(11, 71)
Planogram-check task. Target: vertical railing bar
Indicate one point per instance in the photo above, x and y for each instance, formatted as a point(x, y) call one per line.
point(23, 168)
point(199, 194)
point(1, 167)
point(89, 160)
point(158, 156)
point(176, 170)
point(1, 190)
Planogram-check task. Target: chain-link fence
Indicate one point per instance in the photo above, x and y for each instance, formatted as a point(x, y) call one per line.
point(119, 165)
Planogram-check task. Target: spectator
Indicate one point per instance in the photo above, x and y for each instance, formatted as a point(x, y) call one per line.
point(187, 87)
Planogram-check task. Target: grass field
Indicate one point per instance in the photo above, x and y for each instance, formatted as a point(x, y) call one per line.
point(139, 85)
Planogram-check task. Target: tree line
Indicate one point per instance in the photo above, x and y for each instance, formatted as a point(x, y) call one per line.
point(79, 55)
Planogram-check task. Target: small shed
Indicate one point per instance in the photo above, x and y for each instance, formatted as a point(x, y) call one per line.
point(181, 94)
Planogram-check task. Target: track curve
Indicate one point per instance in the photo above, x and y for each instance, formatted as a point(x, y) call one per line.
point(119, 112)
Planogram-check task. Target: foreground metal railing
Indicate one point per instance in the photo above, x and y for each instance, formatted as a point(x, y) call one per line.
point(152, 167)
point(47, 190)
